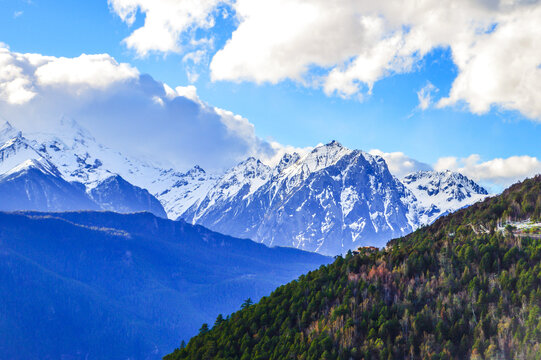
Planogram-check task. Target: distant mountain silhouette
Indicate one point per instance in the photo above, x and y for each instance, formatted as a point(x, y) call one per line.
point(101, 285)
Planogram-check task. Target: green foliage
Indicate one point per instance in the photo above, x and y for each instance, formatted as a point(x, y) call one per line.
point(204, 329)
point(457, 289)
point(247, 303)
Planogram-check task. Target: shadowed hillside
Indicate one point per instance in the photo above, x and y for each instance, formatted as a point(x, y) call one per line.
point(100, 285)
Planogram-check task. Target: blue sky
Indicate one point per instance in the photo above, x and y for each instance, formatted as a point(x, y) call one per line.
point(290, 109)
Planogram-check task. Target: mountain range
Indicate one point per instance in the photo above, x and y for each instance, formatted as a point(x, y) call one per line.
point(329, 200)
point(103, 285)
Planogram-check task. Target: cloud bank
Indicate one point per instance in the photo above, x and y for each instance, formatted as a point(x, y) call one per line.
point(125, 110)
point(496, 173)
point(499, 171)
point(353, 44)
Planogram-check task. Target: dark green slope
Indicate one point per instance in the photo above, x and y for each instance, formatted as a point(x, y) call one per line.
point(458, 289)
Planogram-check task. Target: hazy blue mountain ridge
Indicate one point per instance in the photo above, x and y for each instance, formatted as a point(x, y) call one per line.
point(101, 285)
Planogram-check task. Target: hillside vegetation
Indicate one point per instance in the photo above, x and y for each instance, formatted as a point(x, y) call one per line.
point(458, 289)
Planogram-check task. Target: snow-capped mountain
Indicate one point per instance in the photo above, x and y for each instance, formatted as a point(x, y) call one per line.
point(178, 191)
point(80, 158)
point(116, 194)
point(17, 150)
point(441, 192)
point(331, 200)
point(234, 187)
point(37, 185)
point(48, 173)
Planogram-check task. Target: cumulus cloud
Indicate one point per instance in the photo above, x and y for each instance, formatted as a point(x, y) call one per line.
point(15, 85)
point(22, 74)
point(500, 171)
point(86, 71)
point(353, 44)
point(126, 110)
point(495, 174)
point(165, 22)
point(502, 67)
point(400, 164)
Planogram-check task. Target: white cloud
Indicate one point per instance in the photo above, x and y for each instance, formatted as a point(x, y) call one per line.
point(22, 74)
point(189, 92)
point(500, 171)
point(400, 164)
point(126, 110)
point(165, 22)
point(359, 42)
point(280, 39)
point(495, 174)
point(425, 95)
point(502, 67)
point(15, 85)
point(16, 14)
point(86, 71)
point(352, 44)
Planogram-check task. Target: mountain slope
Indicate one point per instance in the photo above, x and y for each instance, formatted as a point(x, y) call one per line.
point(178, 191)
point(116, 194)
point(462, 288)
point(16, 151)
point(37, 185)
point(79, 157)
point(442, 192)
point(330, 200)
point(99, 285)
point(30, 180)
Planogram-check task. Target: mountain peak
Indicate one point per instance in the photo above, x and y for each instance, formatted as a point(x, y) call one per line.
point(286, 161)
point(74, 130)
point(448, 177)
point(249, 161)
point(6, 125)
point(7, 131)
point(325, 155)
point(441, 192)
point(196, 171)
point(39, 164)
point(65, 131)
point(334, 143)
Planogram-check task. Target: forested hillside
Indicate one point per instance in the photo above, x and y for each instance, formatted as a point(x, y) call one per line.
point(466, 287)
